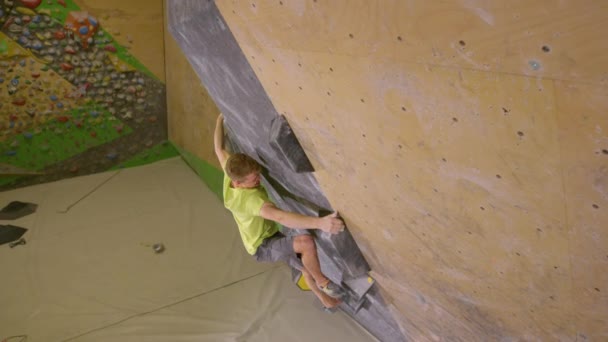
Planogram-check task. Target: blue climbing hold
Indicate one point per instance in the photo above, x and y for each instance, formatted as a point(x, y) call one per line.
point(83, 30)
point(94, 113)
point(36, 19)
point(59, 105)
point(28, 135)
point(11, 153)
point(15, 82)
point(53, 97)
point(93, 21)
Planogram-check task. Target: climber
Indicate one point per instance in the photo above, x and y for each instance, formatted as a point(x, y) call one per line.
point(258, 221)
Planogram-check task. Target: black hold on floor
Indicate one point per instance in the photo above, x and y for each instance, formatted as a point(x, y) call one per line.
point(16, 209)
point(10, 233)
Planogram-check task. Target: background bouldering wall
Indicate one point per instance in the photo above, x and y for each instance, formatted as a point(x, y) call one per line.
point(465, 145)
point(82, 88)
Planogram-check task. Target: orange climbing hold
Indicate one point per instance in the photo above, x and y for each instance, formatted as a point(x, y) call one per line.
point(19, 102)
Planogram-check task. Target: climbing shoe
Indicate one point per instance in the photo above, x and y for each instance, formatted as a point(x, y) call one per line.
point(332, 290)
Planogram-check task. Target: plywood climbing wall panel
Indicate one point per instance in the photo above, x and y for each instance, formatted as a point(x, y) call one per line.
point(463, 142)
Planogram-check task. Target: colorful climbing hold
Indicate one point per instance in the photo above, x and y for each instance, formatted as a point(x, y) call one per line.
point(59, 35)
point(19, 102)
point(25, 11)
point(110, 48)
point(67, 66)
point(93, 21)
point(31, 3)
point(63, 119)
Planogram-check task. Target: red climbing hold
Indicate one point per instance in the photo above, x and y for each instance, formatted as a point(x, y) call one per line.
point(94, 134)
point(67, 66)
point(63, 119)
point(19, 102)
point(35, 74)
point(61, 2)
point(31, 3)
point(59, 35)
point(110, 48)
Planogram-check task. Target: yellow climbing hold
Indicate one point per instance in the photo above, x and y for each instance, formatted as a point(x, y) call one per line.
point(25, 11)
point(120, 65)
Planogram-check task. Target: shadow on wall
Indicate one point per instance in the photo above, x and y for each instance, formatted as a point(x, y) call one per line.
point(73, 101)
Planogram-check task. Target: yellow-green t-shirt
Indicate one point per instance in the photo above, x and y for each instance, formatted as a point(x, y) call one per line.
point(245, 205)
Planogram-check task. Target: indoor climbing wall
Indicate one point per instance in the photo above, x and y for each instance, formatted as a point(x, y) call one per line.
point(82, 88)
point(464, 143)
